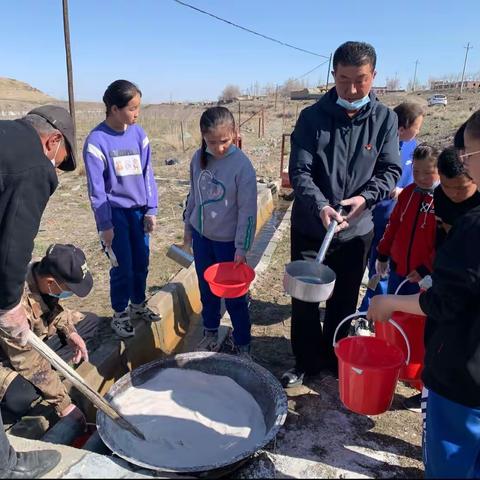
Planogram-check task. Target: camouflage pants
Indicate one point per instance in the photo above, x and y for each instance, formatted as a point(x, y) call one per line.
point(34, 368)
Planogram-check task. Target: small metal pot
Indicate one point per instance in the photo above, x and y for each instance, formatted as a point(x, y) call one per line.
point(311, 281)
point(179, 255)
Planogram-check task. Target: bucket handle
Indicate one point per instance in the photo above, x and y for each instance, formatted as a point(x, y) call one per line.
point(362, 314)
point(401, 285)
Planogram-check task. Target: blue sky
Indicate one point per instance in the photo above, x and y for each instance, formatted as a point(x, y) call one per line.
point(173, 52)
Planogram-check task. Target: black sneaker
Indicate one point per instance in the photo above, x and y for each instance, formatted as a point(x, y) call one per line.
point(292, 378)
point(413, 403)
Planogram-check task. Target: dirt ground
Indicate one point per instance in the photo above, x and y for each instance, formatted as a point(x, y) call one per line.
point(321, 438)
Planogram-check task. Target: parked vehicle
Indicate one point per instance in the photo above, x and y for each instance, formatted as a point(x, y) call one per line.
point(437, 99)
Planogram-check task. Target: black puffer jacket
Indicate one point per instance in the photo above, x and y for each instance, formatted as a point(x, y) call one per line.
point(452, 306)
point(334, 157)
point(27, 179)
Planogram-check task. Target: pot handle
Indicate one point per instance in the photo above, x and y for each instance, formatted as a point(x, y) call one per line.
point(362, 314)
point(328, 237)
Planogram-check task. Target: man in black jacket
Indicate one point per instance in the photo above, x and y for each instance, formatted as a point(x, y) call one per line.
point(344, 151)
point(30, 150)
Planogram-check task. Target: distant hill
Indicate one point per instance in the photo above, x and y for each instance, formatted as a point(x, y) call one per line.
point(14, 90)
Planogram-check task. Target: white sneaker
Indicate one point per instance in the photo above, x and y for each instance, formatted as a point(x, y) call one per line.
point(121, 324)
point(143, 312)
point(209, 342)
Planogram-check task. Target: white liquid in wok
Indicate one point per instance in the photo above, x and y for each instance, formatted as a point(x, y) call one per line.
point(189, 419)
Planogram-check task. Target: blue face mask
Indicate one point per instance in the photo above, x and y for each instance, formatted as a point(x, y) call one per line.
point(356, 105)
point(428, 190)
point(62, 295)
point(230, 150)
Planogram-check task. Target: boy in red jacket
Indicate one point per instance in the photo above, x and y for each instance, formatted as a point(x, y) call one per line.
point(409, 239)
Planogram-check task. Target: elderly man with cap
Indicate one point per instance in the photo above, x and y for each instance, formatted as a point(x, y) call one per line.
point(61, 273)
point(31, 148)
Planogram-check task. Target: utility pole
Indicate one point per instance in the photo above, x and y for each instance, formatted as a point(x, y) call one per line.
point(276, 95)
point(68, 55)
point(468, 47)
point(415, 76)
point(328, 71)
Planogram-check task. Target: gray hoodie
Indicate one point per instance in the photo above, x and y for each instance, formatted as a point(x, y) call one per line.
point(222, 204)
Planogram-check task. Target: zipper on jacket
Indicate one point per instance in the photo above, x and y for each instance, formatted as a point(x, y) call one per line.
point(412, 237)
point(349, 148)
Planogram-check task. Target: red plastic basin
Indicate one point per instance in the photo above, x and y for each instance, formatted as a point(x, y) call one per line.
point(227, 280)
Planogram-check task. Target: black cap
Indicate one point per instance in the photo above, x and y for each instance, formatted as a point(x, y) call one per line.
point(67, 264)
point(60, 119)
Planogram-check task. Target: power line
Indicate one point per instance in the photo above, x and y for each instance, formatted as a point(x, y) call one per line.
point(313, 69)
point(248, 30)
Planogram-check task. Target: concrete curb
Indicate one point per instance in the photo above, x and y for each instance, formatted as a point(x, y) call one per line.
point(272, 245)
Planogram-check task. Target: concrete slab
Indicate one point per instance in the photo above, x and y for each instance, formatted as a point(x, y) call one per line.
point(77, 463)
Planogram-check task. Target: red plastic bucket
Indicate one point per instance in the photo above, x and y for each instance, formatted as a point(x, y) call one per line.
point(229, 281)
point(368, 370)
point(414, 328)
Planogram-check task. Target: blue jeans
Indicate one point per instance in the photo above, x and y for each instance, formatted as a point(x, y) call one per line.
point(394, 280)
point(130, 244)
point(451, 447)
point(206, 253)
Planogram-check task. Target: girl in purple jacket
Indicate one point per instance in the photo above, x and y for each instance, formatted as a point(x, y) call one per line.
point(123, 195)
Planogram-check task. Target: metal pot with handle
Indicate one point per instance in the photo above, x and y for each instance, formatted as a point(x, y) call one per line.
point(312, 281)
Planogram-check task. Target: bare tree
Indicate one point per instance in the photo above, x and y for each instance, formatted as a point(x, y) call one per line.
point(230, 93)
point(269, 89)
point(410, 86)
point(392, 83)
point(291, 85)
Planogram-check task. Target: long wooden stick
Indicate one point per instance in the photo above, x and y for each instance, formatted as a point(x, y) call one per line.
point(79, 383)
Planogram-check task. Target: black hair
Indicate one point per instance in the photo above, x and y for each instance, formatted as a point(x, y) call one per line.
point(473, 125)
point(424, 151)
point(212, 118)
point(408, 112)
point(355, 54)
point(42, 268)
point(119, 93)
point(450, 165)
point(458, 138)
